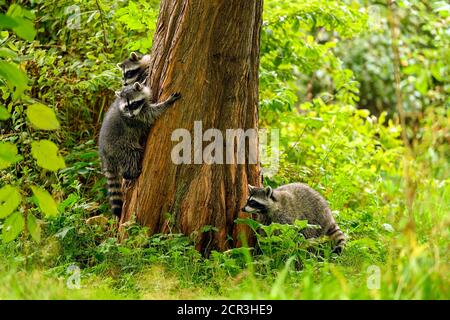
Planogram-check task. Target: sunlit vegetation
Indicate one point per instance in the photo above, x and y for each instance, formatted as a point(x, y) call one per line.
point(368, 131)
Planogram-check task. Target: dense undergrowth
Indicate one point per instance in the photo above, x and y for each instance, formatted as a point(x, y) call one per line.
point(391, 199)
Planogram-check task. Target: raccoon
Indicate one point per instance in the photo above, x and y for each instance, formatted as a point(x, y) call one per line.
point(122, 136)
point(295, 201)
point(135, 68)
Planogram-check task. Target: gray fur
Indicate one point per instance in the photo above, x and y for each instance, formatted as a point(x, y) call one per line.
point(122, 137)
point(295, 201)
point(135, 68)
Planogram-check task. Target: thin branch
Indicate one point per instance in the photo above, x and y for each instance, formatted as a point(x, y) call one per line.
point(105, 41)
point(397, 75)
point(409, 185)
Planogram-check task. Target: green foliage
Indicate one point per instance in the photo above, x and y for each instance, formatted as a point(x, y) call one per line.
point(297, 42)
point(21, 21)
point(42, 117)
point(12, 227)
point(34, 227)
point(46, 154)
point(4, 114)
point(424, 58)
point(9, 200)
point(14, 77)
point(45, 201)
point(326, 81)
point(139, 18)
point(279, 243)
point(8, 155)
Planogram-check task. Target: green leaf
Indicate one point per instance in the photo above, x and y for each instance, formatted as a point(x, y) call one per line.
point(34, 228)
point(25, 30)
point(8, 22)
point(12, 227)
point(208, 228)
point(4, 114)
point(8, 154)
point(16, 10)
point(24, 26)
point(421, 83)
point(254, 225)
point(42, 117)
point(438, 71)
point(14, 76)
point(46, 203)
point(301, 224)
point(7, 53)
point(9, 200)
point(46, 154)
point(124, 250)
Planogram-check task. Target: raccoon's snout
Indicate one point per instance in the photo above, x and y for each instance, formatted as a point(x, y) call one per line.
point(249, 209)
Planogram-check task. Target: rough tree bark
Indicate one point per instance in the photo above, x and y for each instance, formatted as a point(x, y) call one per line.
point(209, 52)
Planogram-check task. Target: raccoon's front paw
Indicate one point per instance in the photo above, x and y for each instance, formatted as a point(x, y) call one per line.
point(175, 96)
point(128, 183)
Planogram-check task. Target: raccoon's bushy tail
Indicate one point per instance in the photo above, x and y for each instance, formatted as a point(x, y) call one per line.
point(338, 238)
point(114, 193)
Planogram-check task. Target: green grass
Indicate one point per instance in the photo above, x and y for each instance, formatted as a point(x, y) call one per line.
point(410, 265)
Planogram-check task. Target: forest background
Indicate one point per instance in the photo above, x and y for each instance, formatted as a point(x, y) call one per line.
point(359, 90)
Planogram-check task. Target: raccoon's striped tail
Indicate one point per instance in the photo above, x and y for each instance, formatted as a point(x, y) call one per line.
point(114, 193)
point(338, 238)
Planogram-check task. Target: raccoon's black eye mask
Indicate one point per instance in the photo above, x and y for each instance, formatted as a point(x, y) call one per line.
point(256, 205)
point(131, 73)
point(134, 105)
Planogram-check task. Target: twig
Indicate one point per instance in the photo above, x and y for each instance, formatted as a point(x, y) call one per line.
point(409, 188)
point(397, 75)
point(105, 41)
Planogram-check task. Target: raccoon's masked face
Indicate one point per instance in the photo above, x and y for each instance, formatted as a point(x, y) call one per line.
point(132, 99)
point(259, 200)
point(132, 67)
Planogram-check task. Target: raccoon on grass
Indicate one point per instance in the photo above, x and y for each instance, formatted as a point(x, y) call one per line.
point(295, 201)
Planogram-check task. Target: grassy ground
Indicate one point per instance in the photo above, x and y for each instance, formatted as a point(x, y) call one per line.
point(397, 264)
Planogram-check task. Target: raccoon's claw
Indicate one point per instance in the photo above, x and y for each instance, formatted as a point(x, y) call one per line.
point(128, 183)
point(175, 96)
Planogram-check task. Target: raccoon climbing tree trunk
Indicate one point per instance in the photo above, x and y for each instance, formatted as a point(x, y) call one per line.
point(209, 52)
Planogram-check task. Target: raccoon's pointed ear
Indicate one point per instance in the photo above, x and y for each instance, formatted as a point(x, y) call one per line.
point(117, 94)
point(119, 65)
point(137, 86)
point(250, 188)
point(268, 191)
point(134, 56)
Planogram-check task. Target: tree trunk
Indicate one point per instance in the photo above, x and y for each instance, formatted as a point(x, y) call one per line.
point(209, 52)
